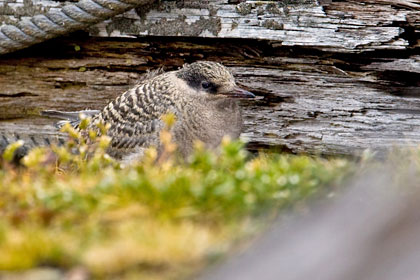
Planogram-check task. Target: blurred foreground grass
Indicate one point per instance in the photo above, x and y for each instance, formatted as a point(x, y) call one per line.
point(146, 220)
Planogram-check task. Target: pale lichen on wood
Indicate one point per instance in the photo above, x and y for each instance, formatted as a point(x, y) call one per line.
point(11, 11)
point(343, 26)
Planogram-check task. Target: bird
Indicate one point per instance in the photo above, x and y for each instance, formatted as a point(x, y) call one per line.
point(202, 96)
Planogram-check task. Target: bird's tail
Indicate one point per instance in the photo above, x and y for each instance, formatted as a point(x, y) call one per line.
point(68, 117)
point(35, 139)
point(29, 141)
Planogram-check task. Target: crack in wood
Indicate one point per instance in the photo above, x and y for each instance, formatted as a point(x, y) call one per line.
point(18, 94)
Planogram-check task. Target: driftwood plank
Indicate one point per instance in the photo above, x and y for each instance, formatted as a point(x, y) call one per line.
point(344, 26)
point(308, 101)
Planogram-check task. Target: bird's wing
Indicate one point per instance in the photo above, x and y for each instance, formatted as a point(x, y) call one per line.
point(135, 117)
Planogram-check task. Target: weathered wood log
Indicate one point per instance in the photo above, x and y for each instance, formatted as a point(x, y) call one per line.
point(309, 101)
point(342, 26)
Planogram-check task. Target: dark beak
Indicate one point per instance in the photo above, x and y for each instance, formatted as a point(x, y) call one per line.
point(237, 92)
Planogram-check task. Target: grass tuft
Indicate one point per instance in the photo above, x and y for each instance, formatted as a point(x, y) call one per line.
point(149, 220)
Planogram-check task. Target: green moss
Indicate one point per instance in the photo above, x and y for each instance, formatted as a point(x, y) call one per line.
point(119, 222)
point(243, 9)
point(234, 25)
point(165, 27)
point(272, 24)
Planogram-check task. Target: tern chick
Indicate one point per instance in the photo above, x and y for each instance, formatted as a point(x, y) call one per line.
point(202, 96)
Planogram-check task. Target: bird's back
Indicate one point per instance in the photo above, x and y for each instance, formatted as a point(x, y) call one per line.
point(135, 116)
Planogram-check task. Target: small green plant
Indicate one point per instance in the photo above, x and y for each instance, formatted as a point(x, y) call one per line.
point(74, 206)
point(9, 152)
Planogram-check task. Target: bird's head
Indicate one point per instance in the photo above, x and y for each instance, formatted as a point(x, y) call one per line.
point(211, 79)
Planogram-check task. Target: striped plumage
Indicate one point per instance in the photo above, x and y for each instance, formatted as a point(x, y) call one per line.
point(204, 114)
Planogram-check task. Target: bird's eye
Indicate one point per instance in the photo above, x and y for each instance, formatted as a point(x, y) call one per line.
point(205, 85)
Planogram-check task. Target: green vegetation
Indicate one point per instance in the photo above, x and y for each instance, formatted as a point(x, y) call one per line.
point(156, 219)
